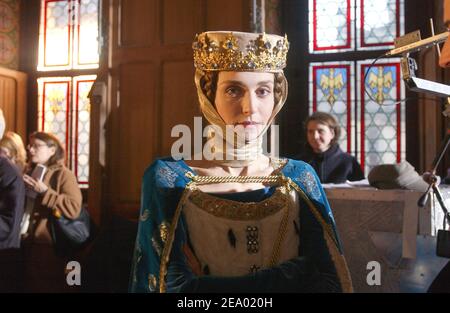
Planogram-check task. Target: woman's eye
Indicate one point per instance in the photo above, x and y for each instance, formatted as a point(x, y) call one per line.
point(233, 91)
point(263, 92)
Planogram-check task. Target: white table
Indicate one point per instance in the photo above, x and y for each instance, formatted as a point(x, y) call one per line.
point(388, 227)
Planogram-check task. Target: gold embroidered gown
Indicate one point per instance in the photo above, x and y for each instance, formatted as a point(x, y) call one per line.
point(281, 238)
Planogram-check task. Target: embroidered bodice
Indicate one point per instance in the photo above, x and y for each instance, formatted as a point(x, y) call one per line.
point(232, 238)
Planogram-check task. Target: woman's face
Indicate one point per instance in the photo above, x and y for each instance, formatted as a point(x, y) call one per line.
point(40, 152)
point(245, 99)
point(319, 136)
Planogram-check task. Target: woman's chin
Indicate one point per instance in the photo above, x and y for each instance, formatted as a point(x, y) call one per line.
point(251, 137)
point(321, 149)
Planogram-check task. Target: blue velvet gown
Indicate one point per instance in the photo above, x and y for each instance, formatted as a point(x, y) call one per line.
point(161, 262)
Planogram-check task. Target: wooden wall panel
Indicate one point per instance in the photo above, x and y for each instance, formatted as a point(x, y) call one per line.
point(13, 90)
point(8, 89)
point(227, 15)
point(138, 22)
point(179, 100)
point(182, 20)
point(136, 127)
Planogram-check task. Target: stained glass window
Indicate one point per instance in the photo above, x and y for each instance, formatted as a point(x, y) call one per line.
point(87, 48)
point(56, 33)
point(380, 22)
point(330, 91)
point(330, 26)
point(54, 107)
point(68, 34)
point(64, 110)
point(334, 23)
point(68, 44)
point(81, 112)
point(381, 118)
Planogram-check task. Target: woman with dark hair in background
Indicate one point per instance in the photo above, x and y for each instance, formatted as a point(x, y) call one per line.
point(323, 153)
point(58, 194)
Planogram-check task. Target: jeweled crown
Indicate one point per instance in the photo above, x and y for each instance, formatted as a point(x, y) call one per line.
point(239, 51)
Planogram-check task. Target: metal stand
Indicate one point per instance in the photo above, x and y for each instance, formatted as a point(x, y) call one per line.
point(432, 180)
point(438, 195)
point(405, 45)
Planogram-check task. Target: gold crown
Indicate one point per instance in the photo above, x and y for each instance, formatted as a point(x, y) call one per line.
point(238, 51)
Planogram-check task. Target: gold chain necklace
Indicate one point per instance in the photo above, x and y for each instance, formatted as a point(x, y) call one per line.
point(203, 180)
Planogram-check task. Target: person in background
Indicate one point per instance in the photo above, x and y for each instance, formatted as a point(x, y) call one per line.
point(323, 153)
point(12, 195)
point(11, 145)
point(57, 194)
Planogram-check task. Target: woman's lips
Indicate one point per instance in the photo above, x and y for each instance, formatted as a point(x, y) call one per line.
point(248, 123)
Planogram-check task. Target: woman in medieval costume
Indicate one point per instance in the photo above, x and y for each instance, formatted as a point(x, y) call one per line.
point(237, 220)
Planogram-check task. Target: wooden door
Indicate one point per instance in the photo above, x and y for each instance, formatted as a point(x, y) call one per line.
point(13, 91)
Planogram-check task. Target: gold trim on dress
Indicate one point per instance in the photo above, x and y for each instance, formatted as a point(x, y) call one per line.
point(163, 231)
point(278, 164)
point(170, 238)
point(340, 264)
point(268, 180)
point(280, 238)
point(240, 211)
point(152, 282)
